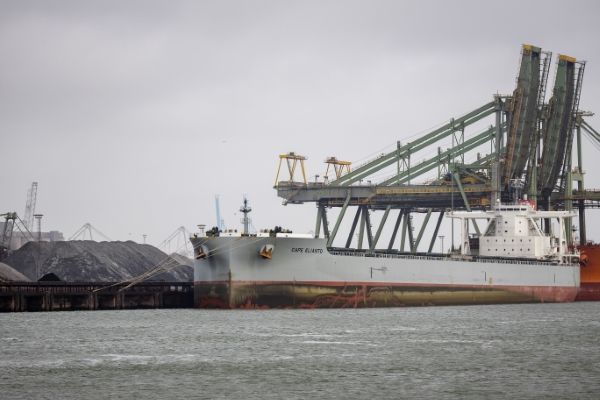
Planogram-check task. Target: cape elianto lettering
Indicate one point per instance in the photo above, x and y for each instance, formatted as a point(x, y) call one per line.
point(306, 250)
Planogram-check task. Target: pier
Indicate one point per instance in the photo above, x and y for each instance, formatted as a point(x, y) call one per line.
point(74, 296)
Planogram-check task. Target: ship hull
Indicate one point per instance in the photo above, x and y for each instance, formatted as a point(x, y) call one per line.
point(304, 274)
point(590, 274)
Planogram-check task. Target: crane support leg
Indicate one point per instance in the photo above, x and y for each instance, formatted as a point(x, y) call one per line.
point(337, 223)
point(464, 197)
point(404, 225)
point(325, 223)
point(580, 188)
point(385, 215)
point(582, 235)
point(398, 220)
point(361, 230)
point(420, 235)
point(349, 241)
point(319, 218)
point(437, 228)
point(368, 223)
point(409, 227)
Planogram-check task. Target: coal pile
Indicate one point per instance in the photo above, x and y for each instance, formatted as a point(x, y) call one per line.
point(9, 274)
point(90, 261)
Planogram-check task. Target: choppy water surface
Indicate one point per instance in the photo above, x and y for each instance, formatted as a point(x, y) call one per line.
point(525, 351)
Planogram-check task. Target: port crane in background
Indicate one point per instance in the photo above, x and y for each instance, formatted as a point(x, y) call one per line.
point(30, 207)
point(530, 141)
point(12, 220)
point(220, 222)
point(183, 245)
point(88, 228)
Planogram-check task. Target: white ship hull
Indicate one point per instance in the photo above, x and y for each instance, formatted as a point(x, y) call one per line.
point(303, 273)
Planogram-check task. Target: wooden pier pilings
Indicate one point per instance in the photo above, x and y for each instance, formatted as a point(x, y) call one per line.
point(65, 296)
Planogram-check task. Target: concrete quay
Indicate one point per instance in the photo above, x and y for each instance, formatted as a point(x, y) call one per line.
point(72, 296)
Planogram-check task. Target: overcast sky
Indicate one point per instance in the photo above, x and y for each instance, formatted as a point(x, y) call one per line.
point(133, 115)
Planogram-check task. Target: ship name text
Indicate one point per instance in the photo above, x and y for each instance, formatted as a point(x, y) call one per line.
point(306, 250)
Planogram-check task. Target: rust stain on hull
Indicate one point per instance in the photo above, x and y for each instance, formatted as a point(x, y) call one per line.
point(590, 274)
point(589, 291)
point(246, 295)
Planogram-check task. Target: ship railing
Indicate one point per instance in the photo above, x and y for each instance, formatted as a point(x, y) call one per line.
point(438, 258)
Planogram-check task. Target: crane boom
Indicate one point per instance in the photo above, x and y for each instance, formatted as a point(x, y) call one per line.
point(30, 206)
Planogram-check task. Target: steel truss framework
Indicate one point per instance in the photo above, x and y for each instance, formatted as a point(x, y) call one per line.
point(531, 141)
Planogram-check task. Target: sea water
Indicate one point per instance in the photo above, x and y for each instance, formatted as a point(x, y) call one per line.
point(471, 352)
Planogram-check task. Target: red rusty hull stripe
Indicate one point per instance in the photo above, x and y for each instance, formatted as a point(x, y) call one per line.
point(265, 295)
point(589, 291)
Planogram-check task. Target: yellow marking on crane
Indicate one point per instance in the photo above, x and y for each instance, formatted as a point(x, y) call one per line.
point(292, 162)
point(566, 58)
point(339, 167)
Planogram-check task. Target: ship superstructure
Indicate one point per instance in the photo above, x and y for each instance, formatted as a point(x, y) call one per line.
point(513, 231)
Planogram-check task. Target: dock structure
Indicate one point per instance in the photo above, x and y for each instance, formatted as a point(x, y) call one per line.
point(73, 296)
point(533, 145)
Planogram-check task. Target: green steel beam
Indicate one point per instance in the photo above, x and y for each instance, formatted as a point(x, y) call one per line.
point(431, 163)
point(412, 147)
point(420, 235)
point(398, 220)
point(482, 163)
point(409, 228)
point(368, 226)
point(319, 218)
point(403, 238)
point(381, 224)
point(349, 241)
point(559, 115)
point(464, 197)
point(581, 188)
point(435, 233)
point(407, 153)
point(325, 223)
point(361, 230)
point(590, 130)
point(338, 222)
point(525, 104)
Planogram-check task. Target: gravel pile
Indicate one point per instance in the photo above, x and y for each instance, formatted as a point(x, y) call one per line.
point(87, 260)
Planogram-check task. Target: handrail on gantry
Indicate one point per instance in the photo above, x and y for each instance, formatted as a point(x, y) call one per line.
point(430, 164)
point(416, 145)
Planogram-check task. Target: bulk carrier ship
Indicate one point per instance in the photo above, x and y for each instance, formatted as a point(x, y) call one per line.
point(515, 259)
point(517, 263)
